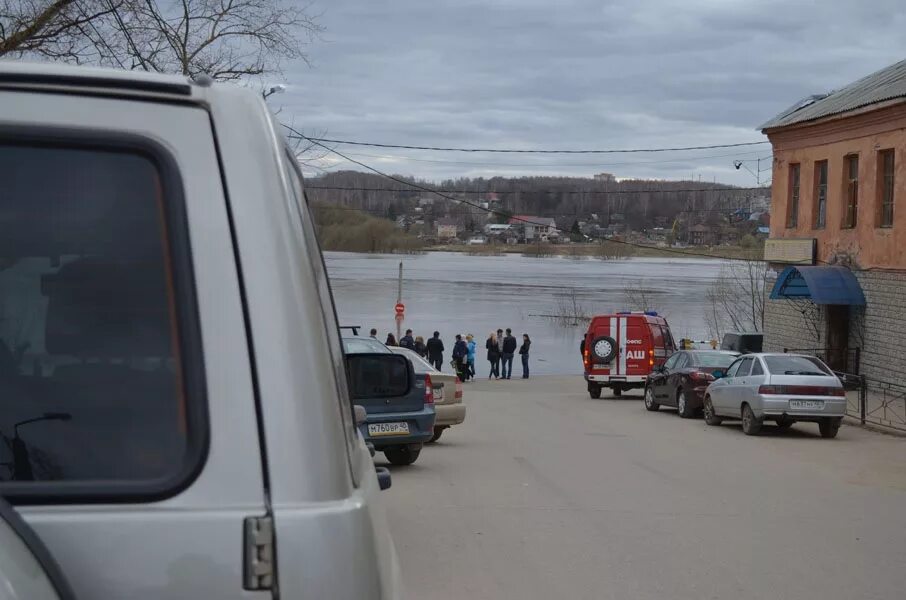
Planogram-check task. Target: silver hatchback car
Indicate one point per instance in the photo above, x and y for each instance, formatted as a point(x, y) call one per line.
point(783, 387)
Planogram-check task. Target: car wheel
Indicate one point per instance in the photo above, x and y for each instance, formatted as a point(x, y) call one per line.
point(594, 391)
point(402, 455)
point(617, 392)
point(711, 417)
point(438, 431)
point(829, 427)
point(751, 425)
point(682, 405)
point(650, 404)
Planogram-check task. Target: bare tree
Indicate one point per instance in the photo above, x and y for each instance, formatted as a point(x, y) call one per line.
point(639, 297)
point(735, 300)
point(571, 311)
point(58, 29)
point(224, 39)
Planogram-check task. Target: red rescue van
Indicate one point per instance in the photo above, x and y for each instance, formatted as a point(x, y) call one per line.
point(620, 350)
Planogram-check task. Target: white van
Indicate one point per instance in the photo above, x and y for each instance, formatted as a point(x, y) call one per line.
point(173, 396)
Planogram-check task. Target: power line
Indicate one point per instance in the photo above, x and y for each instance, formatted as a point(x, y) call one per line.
point(551, 165)
point(322, 141)
point(492, 211)
point(544, 216)
point(509, 192)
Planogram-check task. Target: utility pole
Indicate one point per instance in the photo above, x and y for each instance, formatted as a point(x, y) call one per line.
point(399, 300)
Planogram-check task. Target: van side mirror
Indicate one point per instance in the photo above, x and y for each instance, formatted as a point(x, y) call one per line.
point(379, 375)
point(717, 374)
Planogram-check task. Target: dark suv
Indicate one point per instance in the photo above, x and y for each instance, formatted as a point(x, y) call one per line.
point(397, 423)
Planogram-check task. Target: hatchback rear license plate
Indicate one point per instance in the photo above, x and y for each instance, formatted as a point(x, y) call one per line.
point(807, 404)
point(379, 429)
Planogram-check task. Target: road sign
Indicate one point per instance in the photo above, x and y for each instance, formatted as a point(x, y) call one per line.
point(400, 308)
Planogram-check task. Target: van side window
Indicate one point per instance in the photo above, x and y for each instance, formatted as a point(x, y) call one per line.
point(668, 340)
point(657, 337)
point(96, 327)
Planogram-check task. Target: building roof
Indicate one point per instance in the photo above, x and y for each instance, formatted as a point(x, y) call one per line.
point(887, 84)
point(446, 222)
point(530, 220)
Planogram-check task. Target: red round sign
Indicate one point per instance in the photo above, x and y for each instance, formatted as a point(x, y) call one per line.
point(400, 308)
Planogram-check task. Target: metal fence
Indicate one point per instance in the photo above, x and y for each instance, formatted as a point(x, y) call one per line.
point(845, 360)
point(879, 403)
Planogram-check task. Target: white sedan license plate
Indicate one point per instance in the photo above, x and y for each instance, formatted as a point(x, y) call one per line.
point(807, 404)
point(379, 429)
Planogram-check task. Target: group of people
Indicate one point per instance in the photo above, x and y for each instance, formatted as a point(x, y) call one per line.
point(501, 350)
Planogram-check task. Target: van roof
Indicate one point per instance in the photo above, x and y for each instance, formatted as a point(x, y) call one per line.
point(635, 315)
point(55, 76)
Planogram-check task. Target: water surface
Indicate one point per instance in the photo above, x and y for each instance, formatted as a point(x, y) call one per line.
point(456, 293)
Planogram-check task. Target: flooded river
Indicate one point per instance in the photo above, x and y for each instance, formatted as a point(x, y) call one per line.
point(456, 293)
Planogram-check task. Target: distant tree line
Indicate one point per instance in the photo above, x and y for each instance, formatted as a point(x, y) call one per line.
point(637, 203)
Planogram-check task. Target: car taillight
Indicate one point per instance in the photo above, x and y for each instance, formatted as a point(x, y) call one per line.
point(701, 376)
point(651, 357)
point(800, 390)
point(458, 394)
point(429, 390)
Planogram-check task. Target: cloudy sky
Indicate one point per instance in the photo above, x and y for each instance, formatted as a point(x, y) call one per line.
point(576, 74)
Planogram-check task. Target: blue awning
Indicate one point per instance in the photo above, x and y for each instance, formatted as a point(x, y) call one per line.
point(821, 285)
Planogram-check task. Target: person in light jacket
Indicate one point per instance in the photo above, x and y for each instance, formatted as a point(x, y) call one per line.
point(470, 342)
point(523, 352)
point(493, 355)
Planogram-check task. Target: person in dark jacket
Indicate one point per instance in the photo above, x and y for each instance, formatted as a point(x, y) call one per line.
point(420, 347)
point(435, 349)
point(523, 351)
point(509, 350)
point(391, 340)
point(460, 357)
point(406, 341)
point(493, 355)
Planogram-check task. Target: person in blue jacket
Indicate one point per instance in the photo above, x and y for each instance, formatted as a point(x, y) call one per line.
point(471, 345)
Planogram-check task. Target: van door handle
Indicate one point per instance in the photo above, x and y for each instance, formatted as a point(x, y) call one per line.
point(383, 477)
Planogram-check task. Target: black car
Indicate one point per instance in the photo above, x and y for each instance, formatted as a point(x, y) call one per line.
point(682, 380)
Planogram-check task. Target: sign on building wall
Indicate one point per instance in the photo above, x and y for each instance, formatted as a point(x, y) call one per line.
point(790, 251)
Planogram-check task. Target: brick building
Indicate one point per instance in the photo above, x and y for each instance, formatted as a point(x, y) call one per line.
point(838, 226)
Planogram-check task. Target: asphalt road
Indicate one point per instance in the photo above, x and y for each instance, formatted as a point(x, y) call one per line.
point(545, 493)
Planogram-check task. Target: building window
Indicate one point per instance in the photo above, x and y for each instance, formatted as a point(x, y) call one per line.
point(851, 194)
point(792, 205)
point(820, 194)
point(886, 162)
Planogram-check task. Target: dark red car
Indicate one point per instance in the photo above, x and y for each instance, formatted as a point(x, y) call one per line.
point(682, 380)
